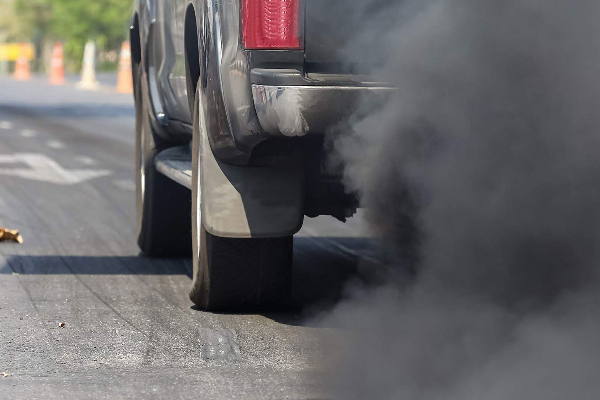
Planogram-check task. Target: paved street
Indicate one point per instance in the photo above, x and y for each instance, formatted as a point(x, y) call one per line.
point(67, 183)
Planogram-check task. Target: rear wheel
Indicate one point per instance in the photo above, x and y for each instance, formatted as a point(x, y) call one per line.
point(162, 205)
point(232, 274)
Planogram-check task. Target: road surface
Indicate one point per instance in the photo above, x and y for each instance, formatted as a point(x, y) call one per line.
point(128, 328)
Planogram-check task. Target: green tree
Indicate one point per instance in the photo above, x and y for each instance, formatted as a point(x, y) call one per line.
point(9, 25)
point(75, 22)
point(34, 17)
point(25, 21)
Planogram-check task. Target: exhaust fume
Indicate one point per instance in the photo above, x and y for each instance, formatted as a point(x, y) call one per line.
point(483, 173)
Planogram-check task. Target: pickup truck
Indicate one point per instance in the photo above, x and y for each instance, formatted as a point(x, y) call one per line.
point(233, 103)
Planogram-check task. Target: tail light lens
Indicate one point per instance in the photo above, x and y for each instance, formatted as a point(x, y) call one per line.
point(270, 24)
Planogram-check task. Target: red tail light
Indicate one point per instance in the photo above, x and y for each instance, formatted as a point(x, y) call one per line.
point(270, 24)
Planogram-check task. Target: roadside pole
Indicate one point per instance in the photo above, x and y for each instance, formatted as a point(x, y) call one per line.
point(3, 55)
point(3, 66)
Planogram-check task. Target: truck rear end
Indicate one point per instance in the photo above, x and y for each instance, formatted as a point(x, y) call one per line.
point(304, 79)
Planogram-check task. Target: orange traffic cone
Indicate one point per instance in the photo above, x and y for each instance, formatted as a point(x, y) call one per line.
point(22, 67)
point(125, 81)
point(57, 70)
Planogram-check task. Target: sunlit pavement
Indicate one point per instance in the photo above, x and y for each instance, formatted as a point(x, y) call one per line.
point(82, 314)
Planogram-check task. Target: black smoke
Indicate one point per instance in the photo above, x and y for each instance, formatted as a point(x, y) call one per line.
point(482, 173)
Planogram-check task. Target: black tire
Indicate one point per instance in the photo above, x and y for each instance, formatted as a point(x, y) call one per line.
point(162, 205)
point(232, 274)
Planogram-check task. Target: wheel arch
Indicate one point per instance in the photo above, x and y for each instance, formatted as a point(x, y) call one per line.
point(227, 128)
point(134, 39)
point(192, 53)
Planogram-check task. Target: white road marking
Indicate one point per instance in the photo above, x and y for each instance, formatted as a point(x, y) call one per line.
point(43, 168)
point(85, 160)
point(55, 144)
point(124, 184)
point(5, 125)
point(27, 133)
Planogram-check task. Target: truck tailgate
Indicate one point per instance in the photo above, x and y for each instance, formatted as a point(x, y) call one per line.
point(332, 28)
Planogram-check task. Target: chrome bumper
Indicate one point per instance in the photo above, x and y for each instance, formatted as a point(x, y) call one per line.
point(300, 110)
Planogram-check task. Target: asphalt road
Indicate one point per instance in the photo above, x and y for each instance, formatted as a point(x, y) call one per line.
point(67, 183)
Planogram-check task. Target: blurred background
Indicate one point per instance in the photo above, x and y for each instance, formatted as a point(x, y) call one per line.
point(32, 28)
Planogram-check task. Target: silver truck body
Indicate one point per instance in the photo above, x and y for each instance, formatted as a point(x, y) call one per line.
point(262, 92)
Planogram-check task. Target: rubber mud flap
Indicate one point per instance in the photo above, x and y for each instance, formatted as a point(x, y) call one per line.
point(252, 202)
